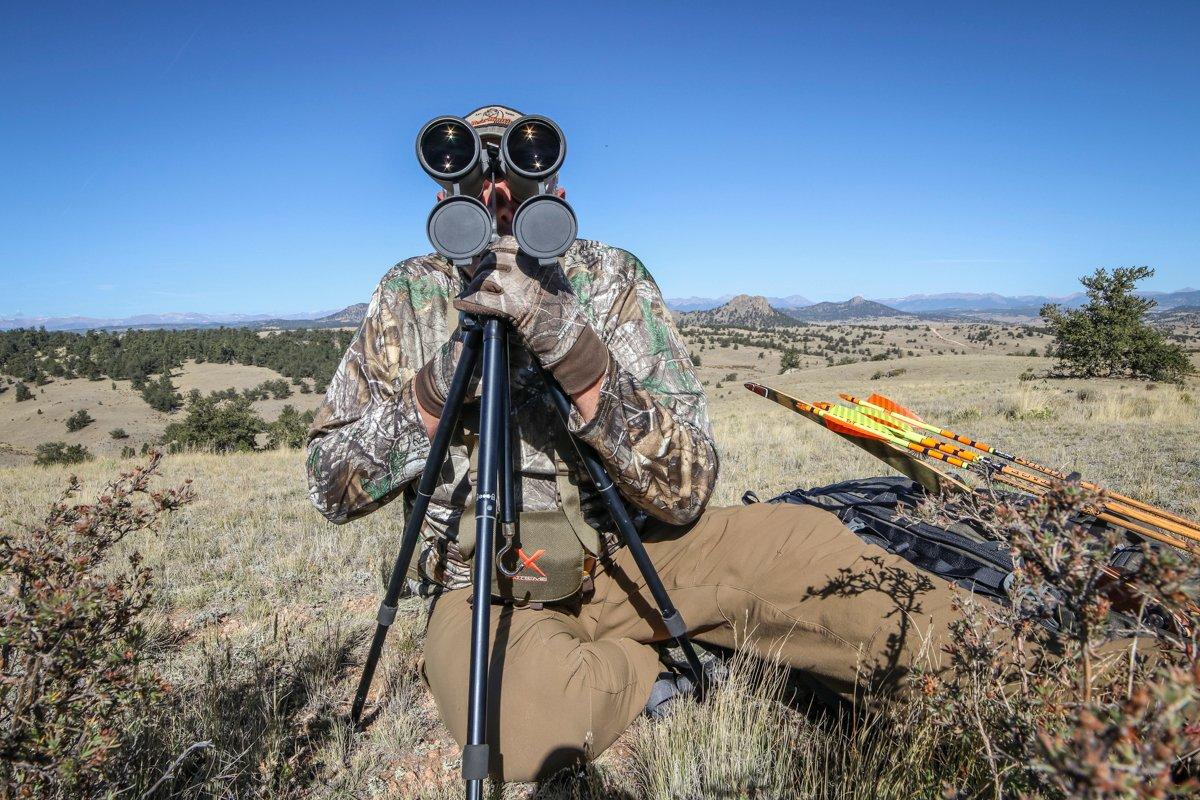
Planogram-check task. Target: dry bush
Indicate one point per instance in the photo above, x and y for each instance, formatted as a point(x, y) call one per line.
point(1087, 685)
point(74, 678)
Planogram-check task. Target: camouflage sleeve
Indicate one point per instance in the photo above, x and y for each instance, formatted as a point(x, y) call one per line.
point(651, 426)
point(367, 441)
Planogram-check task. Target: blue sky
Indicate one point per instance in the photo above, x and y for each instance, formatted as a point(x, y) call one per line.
point(251, 157)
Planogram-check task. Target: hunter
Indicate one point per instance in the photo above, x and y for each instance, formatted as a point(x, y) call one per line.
point(573, 663)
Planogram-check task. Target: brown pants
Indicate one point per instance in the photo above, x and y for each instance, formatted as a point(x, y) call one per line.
point(790, 582)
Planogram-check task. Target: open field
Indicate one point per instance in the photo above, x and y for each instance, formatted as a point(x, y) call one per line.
point(726, 355)
point(264, 608)
point(725, 349)
point(114, 404)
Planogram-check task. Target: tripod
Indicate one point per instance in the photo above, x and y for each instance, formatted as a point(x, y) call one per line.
point(495, 496)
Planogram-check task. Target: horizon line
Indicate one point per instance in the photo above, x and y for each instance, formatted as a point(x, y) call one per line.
point(316, 313)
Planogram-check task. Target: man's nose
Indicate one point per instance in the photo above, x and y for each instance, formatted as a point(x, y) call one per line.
point(500, 188)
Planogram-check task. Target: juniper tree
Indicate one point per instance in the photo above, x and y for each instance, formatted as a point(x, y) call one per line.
point(79, 420)
point(161, 395)
point(48, 453)
point(290, 429)
point(216, 423)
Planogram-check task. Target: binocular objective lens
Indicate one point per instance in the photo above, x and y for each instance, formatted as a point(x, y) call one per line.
point(448, 147)
point(534, 147)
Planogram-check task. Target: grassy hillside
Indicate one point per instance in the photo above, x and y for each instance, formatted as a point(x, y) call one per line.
point(264, 608)
point(114, 404)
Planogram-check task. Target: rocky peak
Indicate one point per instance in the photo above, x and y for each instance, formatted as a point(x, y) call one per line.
point(749, 303)
point(742, 311)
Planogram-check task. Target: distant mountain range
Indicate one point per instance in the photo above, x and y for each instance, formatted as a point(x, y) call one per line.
point(753, 311)
point(997, 302)
point(348, 317)
point(854, 308)
point(954, 302)
point(707, 303)
point(756, 312)
point(950, 304)
point(169, 320)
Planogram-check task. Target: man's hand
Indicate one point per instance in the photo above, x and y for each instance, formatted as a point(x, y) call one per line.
point(540, 305)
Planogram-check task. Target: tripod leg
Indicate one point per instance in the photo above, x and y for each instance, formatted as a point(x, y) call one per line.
point(508, 486)
point(412, 526)
point(491, 431)
point(671, 617)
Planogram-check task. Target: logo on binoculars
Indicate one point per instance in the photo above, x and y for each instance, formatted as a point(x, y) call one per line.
point(495, 115)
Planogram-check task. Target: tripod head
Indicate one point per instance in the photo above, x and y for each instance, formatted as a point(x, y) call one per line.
point(528, 156)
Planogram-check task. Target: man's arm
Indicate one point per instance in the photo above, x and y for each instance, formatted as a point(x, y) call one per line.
point(368, 441)
point(587, 402)
point(648, 418)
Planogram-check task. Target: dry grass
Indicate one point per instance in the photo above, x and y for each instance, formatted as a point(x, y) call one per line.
point(748, 740)
point(265, 608)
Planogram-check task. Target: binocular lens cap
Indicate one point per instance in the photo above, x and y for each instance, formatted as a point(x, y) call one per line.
point(545, 226)
point(459, 227)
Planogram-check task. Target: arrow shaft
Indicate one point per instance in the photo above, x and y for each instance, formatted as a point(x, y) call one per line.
point(866, 425)
point(1174, 521)
point(1153, 519)
point(1115, 508)
point(1133, 527)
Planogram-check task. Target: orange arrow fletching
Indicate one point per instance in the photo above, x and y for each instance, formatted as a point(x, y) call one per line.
point(837, 426)
point(893, 406)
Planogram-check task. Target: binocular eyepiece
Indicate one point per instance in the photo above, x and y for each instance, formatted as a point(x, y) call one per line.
point(529, 155)
point(449, 150)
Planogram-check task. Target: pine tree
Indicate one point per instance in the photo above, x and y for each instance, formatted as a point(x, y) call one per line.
point(1109, 336)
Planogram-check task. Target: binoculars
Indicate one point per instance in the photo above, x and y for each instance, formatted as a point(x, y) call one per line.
point(528, 156)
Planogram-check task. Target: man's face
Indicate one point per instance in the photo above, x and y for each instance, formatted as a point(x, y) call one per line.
point(505, 207)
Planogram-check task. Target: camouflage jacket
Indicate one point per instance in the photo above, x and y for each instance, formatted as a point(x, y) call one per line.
point(651, 429)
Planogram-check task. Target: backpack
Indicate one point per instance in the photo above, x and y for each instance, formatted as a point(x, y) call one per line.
point(878, 511)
